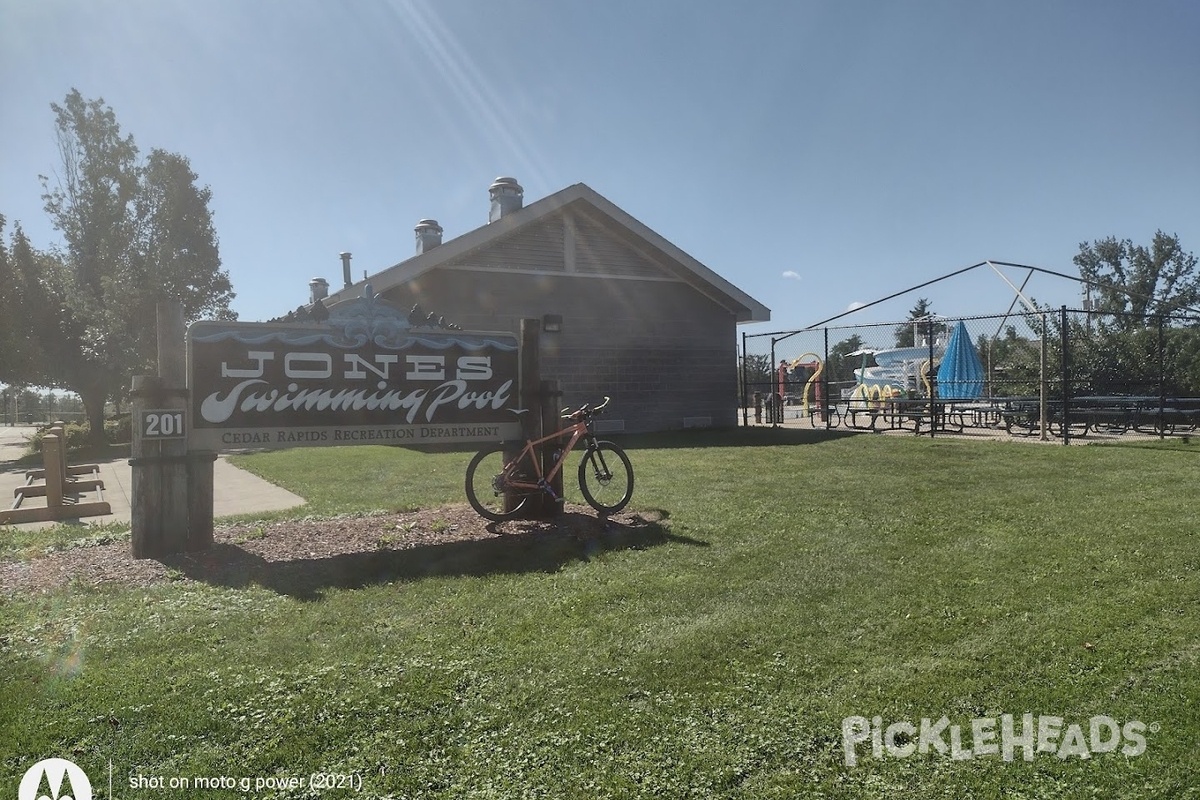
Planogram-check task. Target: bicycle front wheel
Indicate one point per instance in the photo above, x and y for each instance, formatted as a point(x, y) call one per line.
point(606, 477)
point(486, 484)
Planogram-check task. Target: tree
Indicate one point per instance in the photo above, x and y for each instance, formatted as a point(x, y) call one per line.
point(758, 373)
point(174, 251)
point(135, 233)
point(920, 327)
point(26, 311)
point(12, 339)
point(16, 345)
point(1138, 282)
point(1182, 362)
point(1135, 288)
point(177, 245)
point(1013, 362)
point(839, 368)
point(10, 305)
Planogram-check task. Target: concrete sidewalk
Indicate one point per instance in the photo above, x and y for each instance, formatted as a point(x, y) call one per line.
point(235, 491)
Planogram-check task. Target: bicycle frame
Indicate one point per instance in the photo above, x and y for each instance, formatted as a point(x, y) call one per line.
point(577, 431)
point(499, 484)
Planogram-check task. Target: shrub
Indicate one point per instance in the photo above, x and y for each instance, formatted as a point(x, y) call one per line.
point(76, 435)
point(119, 429)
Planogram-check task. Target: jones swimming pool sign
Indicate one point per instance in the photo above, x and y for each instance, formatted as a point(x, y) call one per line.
point(367, 375)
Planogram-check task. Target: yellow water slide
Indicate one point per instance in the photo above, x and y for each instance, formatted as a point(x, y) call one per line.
point(800, 361)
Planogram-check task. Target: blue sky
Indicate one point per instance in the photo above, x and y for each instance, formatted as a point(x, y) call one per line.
point(816, 154)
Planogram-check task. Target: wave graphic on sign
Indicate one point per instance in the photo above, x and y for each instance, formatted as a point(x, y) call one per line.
point(352, 324)
point(304, 338)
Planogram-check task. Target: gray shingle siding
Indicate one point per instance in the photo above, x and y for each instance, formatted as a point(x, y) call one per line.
point(643, 321)
point(661, 349)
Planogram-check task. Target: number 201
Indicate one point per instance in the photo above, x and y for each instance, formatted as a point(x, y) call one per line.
point(164, 424)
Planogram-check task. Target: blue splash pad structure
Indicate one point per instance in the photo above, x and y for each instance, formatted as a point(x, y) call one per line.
point(960, 376)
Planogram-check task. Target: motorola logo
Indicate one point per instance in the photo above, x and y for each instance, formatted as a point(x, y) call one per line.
point(55, 779)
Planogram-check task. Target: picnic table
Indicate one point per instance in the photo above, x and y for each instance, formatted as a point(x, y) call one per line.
point(1022, 416)
point(900, 413)
point(1142, 413)
point(976, 413)
point(1104, 414)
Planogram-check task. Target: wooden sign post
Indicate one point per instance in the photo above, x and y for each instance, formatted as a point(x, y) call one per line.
point(540, 399)
point(165, 514)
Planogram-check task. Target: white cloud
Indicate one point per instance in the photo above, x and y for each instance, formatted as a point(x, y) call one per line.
point(855, 306)
point(791, 273)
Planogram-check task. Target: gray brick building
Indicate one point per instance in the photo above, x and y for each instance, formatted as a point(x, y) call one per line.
point(642, 320)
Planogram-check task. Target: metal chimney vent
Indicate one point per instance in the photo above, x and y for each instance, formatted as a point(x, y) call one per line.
point(507, 197)
point(429, 235)
point(318, 289)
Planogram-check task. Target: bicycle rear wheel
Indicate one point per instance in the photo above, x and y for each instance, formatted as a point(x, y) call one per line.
point(606, 477)
point(486, 482)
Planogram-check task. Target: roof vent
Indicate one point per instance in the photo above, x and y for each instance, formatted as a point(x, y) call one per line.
point(507, 197)
point(318, 289)
point(429, 235)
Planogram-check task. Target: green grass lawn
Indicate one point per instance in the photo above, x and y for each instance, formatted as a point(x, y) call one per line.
point(798, 582)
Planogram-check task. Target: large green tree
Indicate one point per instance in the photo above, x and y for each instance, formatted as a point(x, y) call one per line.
point(27, 313)
point(757, 371)
point(1138, 282)
point(1120, 349)
point(921, 326)
point(1013, 362)
point(176, 255)
point(135, 232)
point(839, 369)
point(9, 306)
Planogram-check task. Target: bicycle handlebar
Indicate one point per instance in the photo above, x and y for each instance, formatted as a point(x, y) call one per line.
point(584, 411)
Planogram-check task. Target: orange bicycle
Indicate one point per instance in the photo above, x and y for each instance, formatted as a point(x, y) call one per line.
point(498, 487)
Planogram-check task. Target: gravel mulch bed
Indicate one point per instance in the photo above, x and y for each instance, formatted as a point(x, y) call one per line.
point(304, 557)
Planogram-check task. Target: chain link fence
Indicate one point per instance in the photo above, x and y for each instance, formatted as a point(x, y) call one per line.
point(1066, 374)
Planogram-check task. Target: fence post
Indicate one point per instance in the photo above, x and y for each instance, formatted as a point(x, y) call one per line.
point(745, 387)
point(1044, 383)
point(774, 400)
point(828, 401)
point(1066, 388)
point(1162, 382)
point(932, 378)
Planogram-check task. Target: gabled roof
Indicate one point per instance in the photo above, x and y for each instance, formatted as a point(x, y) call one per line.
point(686, 268)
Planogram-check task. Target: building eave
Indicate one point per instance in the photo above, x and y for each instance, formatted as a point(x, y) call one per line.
point(745, 308)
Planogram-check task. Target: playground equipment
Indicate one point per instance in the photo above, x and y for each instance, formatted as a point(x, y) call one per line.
point(813, 386)
point(896, 375)
point(961, 374)
point(60, 484)
point(864, 396)
point(901, 369)
point(898, 372)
